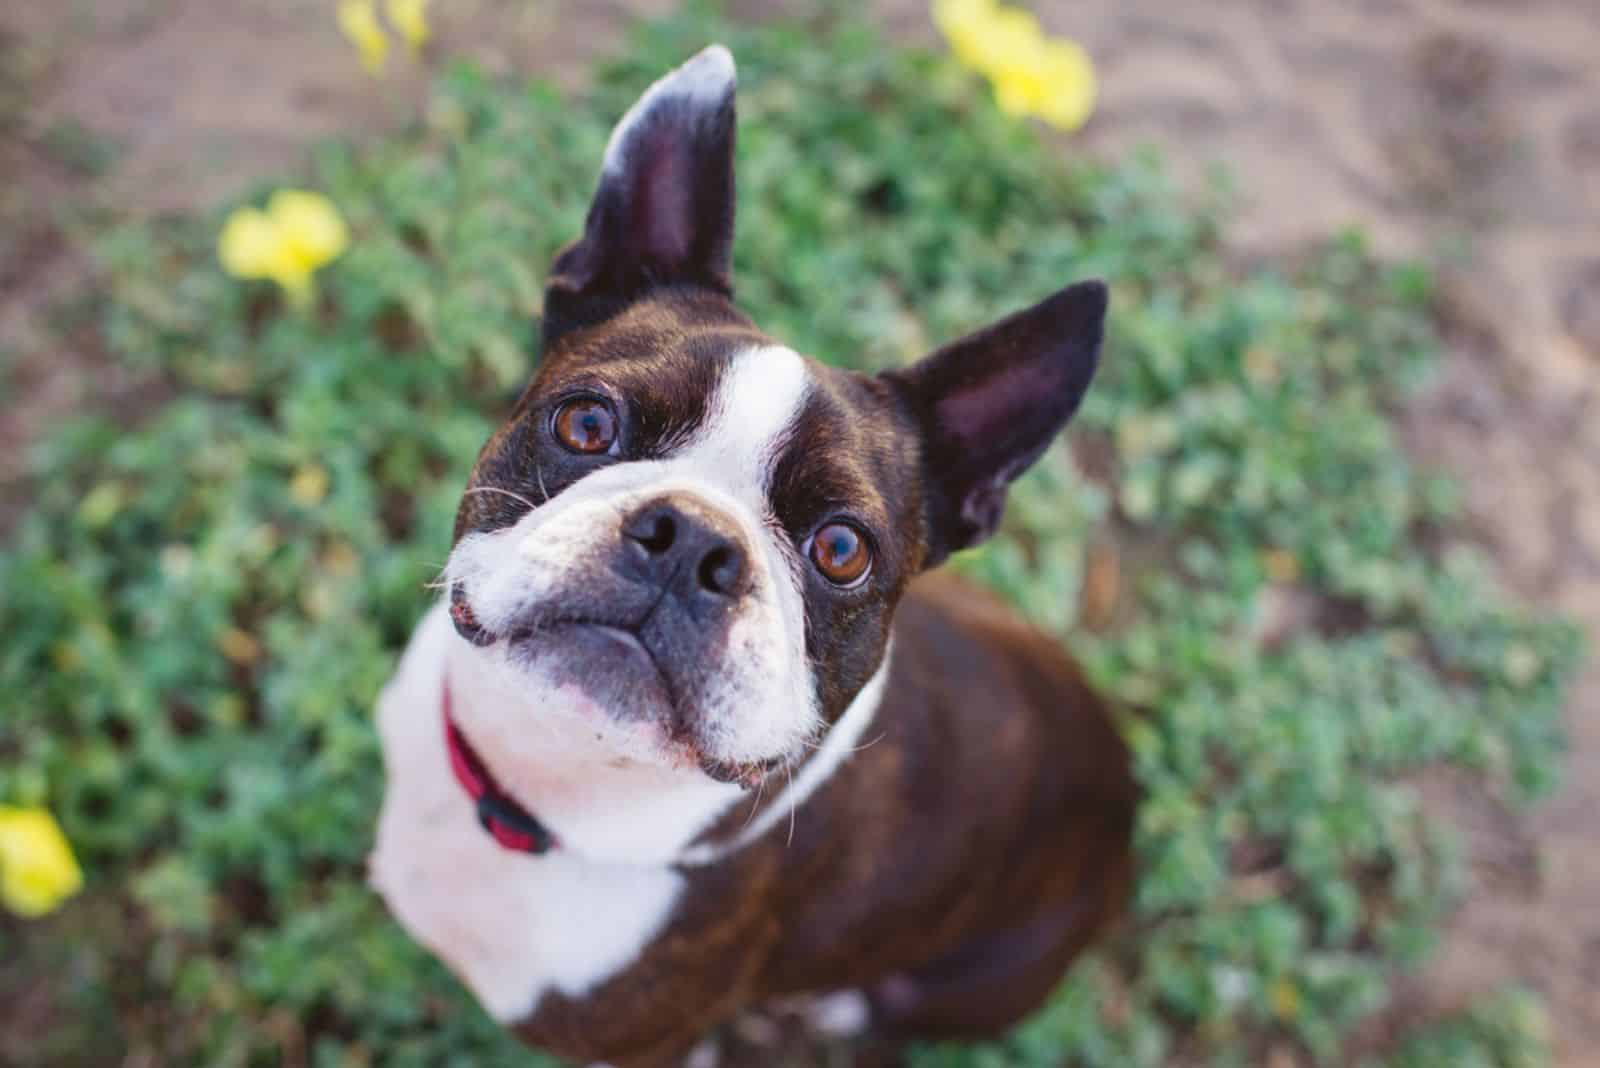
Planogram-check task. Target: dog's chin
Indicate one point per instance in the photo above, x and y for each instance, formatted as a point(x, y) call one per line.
point(623, 686)
point(604, 674)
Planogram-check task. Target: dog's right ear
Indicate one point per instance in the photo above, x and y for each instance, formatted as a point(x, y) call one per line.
point(989, 404)
point(662, 214)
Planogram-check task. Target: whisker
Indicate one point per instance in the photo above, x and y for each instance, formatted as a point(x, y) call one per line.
point(507, 493)
point(441, 580)
point(761, 788)
point(869, 745)
point(538, 473)
point(793, 805)
point(814, 746)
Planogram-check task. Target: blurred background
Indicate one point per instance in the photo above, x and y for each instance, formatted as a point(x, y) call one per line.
point(1461, 135)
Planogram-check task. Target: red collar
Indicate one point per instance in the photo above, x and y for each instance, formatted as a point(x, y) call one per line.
point(506, 821)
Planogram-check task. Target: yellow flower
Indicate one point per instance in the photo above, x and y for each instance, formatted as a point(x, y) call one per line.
point(37, 868)
point(410, 20)
point(962, 23)
point(984, 35)
point(1053, 81)
point(298, 233)
point(1032, 74)
point(309, 484)
point(358, 21)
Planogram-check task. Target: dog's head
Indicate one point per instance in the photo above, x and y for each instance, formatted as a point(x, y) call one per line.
point(701, 532)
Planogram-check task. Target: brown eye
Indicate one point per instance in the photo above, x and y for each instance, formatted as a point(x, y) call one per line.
point(841, 554)
point(586, 424)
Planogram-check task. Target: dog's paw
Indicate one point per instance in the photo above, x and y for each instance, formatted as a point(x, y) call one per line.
point(708, 1054)
point(842, 1014)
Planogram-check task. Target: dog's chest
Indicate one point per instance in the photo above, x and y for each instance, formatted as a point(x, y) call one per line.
point(510, 925)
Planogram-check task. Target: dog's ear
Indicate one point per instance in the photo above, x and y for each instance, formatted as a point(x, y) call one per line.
point(989, 404)
point(662, 214)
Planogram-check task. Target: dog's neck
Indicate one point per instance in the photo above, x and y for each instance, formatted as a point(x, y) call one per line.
point(847, 736)
point(566, 768)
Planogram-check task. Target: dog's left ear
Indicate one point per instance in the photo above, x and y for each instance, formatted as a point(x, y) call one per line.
point(988, 405)
point(662, 213)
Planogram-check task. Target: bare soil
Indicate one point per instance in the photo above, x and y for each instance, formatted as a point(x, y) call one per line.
point(1463, 130)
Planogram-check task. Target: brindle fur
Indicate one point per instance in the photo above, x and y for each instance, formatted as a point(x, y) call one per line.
point(980, 838)
point(952, 868)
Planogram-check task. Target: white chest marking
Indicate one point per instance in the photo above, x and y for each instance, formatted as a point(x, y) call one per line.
point(511, 926)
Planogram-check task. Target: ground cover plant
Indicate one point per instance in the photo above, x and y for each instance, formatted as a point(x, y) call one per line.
point(205, 595)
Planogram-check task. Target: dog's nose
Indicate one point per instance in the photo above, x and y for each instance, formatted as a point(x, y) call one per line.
point(673, 540)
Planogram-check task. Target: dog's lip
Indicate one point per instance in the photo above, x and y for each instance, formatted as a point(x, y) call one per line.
point(626, 634)
point(623, 633)
point(746, 774)
point(465, 620)
point(467, 625)
point(623, 636)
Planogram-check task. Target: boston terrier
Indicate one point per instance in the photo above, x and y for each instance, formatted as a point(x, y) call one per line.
point(692, 729)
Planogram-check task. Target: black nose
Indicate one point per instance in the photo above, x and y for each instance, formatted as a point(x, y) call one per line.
point(673, 540)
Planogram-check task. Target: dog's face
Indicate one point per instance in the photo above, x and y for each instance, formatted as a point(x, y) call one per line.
point(697, 531)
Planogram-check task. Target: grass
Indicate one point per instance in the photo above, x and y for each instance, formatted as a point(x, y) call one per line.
point(204, 597)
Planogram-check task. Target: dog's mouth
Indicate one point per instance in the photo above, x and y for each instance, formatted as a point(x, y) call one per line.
point(466, 621)
point(624, 634)
point(618, 648)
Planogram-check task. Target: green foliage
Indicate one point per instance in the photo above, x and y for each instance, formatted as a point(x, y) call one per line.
point(1507, 1030)
point(204, 599)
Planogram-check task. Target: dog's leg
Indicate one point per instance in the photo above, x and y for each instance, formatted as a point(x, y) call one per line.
point(841, 1014)
point(984, 987)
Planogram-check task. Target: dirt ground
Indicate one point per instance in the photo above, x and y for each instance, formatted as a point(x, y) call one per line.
point(1467, 130)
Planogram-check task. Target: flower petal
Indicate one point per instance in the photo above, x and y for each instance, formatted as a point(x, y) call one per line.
point(309, 226)
point(358, 21)
point(37, 868)
point(410, 20)
point(962, 22)
point(1069, 74)
point(1016, 91)
point(1010, 38)
point(1032, 74)
point(248, 244)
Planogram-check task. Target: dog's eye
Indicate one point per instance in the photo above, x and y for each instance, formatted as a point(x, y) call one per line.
point(586, 424)
point(841, 553)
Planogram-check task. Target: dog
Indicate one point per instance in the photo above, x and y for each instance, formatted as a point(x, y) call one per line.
point(692, 730)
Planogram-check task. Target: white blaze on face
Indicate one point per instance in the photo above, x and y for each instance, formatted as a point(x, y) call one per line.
point(761, 702)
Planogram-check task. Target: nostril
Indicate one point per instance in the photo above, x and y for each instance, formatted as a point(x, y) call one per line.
point(655, 532)
point(721, 569)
